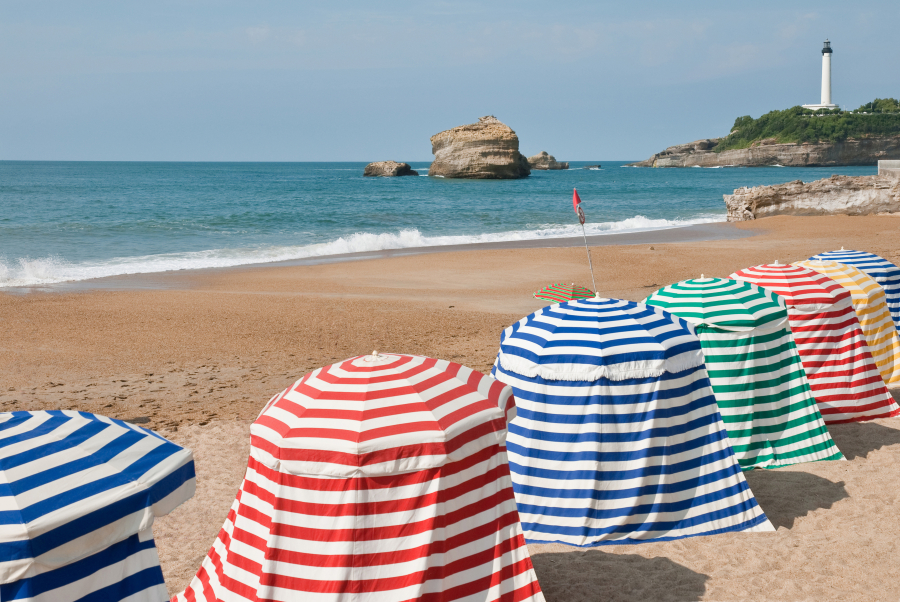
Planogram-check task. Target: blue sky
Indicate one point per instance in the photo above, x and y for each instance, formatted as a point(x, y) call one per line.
point(366, 81)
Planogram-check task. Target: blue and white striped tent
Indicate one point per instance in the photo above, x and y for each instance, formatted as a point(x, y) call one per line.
point(878, 268)
point(617, 437)
point(78, 496)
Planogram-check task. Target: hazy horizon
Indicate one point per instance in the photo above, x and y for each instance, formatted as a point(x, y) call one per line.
point(288, 82)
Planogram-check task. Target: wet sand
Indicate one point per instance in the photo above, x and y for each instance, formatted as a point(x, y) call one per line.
point(195, 355)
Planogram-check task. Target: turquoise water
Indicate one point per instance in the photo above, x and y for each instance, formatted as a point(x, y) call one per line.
point(69, 221)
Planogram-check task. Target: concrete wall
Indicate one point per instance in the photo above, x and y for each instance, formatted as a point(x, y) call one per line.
point(889, 168)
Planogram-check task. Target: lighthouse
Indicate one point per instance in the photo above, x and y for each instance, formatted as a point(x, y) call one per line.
point(826, 81)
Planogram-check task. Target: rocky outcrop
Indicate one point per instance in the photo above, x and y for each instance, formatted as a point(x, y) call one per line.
point(845, 195)
point(388, 169)
point(488, 149)
point(700, 153)
point(544, 161)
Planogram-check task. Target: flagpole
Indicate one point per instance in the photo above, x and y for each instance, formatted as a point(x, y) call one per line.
point(590, 263)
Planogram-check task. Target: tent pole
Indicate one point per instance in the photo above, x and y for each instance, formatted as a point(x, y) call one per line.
point(590, 264)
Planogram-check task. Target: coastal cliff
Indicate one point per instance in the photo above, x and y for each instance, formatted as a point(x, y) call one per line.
point(488, 149)
point(844, 195)
point(700, 153)
point(543, 160)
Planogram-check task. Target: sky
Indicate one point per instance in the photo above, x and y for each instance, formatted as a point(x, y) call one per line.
point(369, 81)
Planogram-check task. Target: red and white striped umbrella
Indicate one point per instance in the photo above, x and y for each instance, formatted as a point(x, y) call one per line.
point(382, 477)
point(842, 374)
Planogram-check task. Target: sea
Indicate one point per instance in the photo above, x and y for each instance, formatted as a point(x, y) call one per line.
point(77, 221)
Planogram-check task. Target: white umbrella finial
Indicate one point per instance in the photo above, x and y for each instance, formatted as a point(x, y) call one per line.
point(776, 262)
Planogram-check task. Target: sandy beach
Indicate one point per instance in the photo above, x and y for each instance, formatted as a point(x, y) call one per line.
point(195, 356)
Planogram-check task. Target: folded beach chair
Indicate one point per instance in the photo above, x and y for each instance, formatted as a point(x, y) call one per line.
point(78, 495)
point(617, 436)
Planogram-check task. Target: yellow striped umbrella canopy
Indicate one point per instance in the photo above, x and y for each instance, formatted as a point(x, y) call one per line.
point(870, 305)
point(558, 293)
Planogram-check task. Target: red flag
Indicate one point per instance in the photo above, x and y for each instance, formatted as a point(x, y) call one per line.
point(576, 203)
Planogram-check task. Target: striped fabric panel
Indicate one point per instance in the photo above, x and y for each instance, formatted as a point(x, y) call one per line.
point(74, 484)
point(880, 269)
point(624, 461)
point(381, 480)
point(871, 309)
point(590, 339)
point(559, 293)
point(843, 377)
point(127, 570)
point(756, 373)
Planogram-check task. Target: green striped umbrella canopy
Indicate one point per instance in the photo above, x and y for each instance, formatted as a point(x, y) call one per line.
point(560, 292)
point(756, 374)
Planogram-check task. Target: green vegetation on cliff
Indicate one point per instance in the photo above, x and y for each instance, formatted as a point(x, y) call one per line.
point(880, 117)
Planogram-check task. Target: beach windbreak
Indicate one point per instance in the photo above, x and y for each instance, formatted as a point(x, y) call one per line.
point(617, 436)
point(756, 373)
point(78, 496)
point(844, 378)
point(878, 268)
point(379, 478)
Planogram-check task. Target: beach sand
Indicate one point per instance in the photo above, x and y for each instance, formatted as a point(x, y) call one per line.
point(195, 355)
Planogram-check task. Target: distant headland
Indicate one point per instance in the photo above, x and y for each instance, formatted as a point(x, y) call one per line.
point(796, 137)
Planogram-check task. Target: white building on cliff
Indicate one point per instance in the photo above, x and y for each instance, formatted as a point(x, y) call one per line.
point(826, 81)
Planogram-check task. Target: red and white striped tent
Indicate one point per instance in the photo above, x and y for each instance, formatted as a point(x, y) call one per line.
point(382, 477)
point(843, 376)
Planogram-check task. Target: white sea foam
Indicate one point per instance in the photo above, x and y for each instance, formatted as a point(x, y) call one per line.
point(27, 272)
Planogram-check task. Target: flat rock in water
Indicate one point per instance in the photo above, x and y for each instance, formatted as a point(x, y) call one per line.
point(389, 169)
point(488, 149)
point(543, 160)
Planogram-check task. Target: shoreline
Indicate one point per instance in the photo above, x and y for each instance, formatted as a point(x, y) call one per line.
point(172, 279)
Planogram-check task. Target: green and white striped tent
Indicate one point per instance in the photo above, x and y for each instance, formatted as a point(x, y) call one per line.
point(756, 374)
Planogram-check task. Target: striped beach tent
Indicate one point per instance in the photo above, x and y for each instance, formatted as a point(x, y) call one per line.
point(843, 376)
point(755, 371)
point(878, 268)
point(78, 496)
point(379, 478)
point(617, 436)
point(875, 319)
point(558, 293)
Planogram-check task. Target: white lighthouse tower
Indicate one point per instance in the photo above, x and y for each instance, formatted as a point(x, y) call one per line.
point(826, 81)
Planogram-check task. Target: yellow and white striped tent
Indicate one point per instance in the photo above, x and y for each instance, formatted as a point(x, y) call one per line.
point(874, 316)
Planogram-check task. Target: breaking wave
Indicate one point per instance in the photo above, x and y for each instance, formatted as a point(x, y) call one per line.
point(28, 272)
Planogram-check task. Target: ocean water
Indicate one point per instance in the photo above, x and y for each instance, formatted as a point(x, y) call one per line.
point(69, 221)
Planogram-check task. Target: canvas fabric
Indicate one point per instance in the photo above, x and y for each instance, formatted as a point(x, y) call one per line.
point(620, 457)
point(78, 497)
point(878, 268)
point(755, 371)
point(870, 306)
point(384, 480)
point(842, 374)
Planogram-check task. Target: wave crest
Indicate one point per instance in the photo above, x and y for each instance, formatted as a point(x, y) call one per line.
point(26, 272)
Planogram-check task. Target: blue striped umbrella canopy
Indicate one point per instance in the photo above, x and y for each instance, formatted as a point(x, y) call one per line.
point(78, 496)
point(617, 436)
point(878, 268)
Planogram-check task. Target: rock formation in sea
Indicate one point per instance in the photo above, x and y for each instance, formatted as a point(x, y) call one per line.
point(488, 149)
point(700, 153)
point(389, 169)
point(544, 161)
point(847, 195)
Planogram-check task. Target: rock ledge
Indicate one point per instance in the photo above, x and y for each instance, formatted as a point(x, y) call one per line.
point(544, 161)
point(389, 169)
